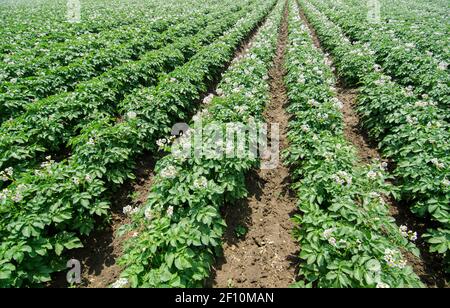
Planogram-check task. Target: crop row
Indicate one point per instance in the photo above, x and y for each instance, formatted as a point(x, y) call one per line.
point(178, 232)
point(43, 213)
point(346, 235)
point(402, 60)
point(410, 132)
point(48, 125)
point(21, 93)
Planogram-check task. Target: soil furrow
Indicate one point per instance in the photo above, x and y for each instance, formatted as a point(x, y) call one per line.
point(266, 255)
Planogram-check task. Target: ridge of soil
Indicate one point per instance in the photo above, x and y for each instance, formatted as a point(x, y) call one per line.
point(267, 255)
point(429, 266)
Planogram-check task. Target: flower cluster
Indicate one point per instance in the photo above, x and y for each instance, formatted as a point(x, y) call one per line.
point(372, 174)
point(169, 172)
point(131, 115)
point(148, 213)
point(200, 183)
point(120, 283)
point(129, 210)
point(48, 162)
point(170, 211)
point(412, 236)
point(437, 163)
point(208, 99)
point(6, 174)
point(382, 285)
point(342, 177)
point(394, 258)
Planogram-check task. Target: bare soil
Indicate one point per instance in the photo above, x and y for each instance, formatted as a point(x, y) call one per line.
point(266, 256)
point(428, 267)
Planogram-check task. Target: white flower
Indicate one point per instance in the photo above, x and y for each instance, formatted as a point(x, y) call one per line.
point(200, 183)
point(332, 241)
point(313, 103)
point(382, 285)
point(412, 236)
point(127, 209)
point(148, 214)
point(4, 195)
point(88, 178)
point(17, 197)
point(207, 100)
point(131, 115)
point(437, 163)
point(445, 182)
point(377, 68)
point(169, 172)
point(173, 80)
point(338, 103)
point(3, 176)
point(9, 171)
point(219, 92)
point(305, 128)
point(76, 181)
point(443, 65)
point(170, 211)
point(411, 120)
point(241, 109)
point(14, 80)
point(342, 177)
point(371, 174)
point(161, 142)
point(91, 141)
point(394, 259)
point(327, 233)
point(301, 79)
point(120, 283)
point(135, 234)
point(403, 230)
point(374, 195)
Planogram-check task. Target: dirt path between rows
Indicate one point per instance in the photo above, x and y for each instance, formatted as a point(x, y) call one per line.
point(266, 255)
point(429, 268)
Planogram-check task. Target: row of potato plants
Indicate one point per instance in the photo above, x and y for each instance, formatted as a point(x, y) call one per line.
point(177, 234)
point(27, 25)
point(410, 66)
point(43, 213)
point(347, 237)
point(48, 125)
point(410, 132)
point(20, 93)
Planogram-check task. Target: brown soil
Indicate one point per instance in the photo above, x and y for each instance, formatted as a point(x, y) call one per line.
point(428, 267)
point(266, 255)
point(103, 246)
